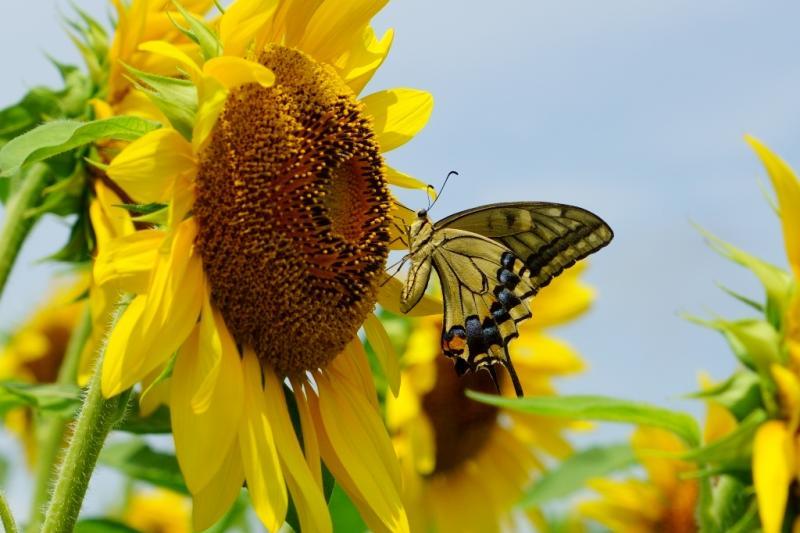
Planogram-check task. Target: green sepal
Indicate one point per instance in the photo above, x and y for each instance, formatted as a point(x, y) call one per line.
point(38, 105)
point(734, 450)
point(199, 32)
point(79, 244)
point(571, 474)
point(742, 298)
point(60, 136)
point(174, 97)
point(740, 394)
point(64, 197)
point(599, 409)
point(776, 282)
point(730, 502)
point(56, 399)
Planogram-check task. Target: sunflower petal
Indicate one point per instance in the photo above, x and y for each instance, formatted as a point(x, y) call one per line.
point(310, 442)
point(389, 299)
point(382, 346)
point(242, 22)
point(146, 169)
point(207, 399)
point(364, 58)
point(787, 189)
point(398, 114)
point(233, 72)
point(333, 24)
point(400, 179)
point(169, 50)
point(128, 261)
point(312, 509)
point(773, 467)
point(214, 500)
point(259, 454)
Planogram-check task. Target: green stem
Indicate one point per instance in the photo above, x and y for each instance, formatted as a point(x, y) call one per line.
point(6, 516)
point(16, 223)
point(54, 428)
point(96, 419)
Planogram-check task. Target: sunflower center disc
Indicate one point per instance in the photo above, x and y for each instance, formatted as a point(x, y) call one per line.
point(462, 426)
point(292, 208)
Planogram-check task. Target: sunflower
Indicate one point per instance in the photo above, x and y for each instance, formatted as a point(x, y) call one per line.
point(34, 352)
point(663, 503)
point(775, 451)
point(466, 464)
point(266, 260)
point(158, 511)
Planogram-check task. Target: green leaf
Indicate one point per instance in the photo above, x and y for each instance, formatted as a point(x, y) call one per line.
point(138, 461)
point(198, 32)
point(734, 449)
point(730, 503)
point(571, 474)
point(57, 399)
point(740, 394)
point(102, 525)
point(157, 423)
point(60, 136)
point(37, 105)
point(345, 516)
point(776, 282)
point(601, 409)
point(174, 97)
point(79, 245)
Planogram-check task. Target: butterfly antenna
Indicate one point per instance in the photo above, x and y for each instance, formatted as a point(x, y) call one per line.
point(431, 204)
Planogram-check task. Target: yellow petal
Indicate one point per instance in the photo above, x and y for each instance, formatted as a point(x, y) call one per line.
point(400, 179)
point(662, 470)
point(333, 24)
point(212, 102)
point(242, 22)
point(310, 443)
point(773, 468)
point(389, 299)
point(146, 169)
point(787, 189)
point(359, 440)
point(789, 394)
point(312, 509)
point(174, 53)
point(290, 21)
point(233, 72)
point(363, 58)
point(155, 392)
point(384, 351)
point(214, 500)
point(540, 354)
point(262, 469)
point(109, 220)
point(155, 325)
point(207, 399)
point(398, 115)
point(128, 261)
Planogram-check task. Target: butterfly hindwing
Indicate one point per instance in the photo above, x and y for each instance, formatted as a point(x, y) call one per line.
point(484, 299)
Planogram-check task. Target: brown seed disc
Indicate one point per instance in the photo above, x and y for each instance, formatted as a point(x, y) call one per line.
point(292, 208)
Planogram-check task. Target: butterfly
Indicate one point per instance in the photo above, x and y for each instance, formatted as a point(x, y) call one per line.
point(491, 261)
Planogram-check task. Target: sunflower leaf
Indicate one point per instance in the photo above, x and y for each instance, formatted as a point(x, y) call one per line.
point(600, 409)
point(157, 423)
point(102, 525)
point(344, 514)
point(571, 474)
point(60, 400)
point(140, 462)
point(60, 136)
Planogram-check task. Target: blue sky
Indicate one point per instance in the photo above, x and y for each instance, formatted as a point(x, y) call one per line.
point(635, 110)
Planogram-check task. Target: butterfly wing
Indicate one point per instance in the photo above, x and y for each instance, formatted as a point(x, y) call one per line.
point(546, 237)
point(484, 300)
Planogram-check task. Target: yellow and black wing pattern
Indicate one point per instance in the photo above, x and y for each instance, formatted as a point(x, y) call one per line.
point(492, 260)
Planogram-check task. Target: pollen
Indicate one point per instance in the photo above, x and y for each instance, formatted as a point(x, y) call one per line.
point(462, 426)
point(293, 213)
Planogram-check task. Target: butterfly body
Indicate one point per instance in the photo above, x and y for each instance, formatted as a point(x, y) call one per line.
point(491, 261)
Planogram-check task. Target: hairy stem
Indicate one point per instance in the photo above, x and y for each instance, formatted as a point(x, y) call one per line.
point(97, 417)
point(16, 223)
point(53, 428)
point(5, 515)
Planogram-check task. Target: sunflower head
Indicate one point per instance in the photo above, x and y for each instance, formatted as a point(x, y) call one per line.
point(292, 209)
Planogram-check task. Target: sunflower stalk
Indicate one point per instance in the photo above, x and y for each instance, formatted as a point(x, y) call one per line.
point(17, 222)
point(53, 429)
point(96, 418)
point(6, 517)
